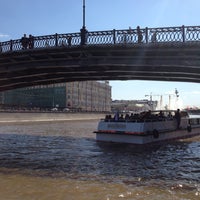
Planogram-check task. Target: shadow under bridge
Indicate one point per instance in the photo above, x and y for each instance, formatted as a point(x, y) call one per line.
point(161, 62)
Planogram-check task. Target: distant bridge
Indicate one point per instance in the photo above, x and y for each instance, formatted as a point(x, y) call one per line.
point(163, 54)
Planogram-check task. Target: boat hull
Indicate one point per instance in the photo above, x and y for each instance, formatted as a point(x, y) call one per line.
point(148, 127)
point(146, 138)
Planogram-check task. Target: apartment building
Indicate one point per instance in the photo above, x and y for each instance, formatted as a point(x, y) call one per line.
point(85, 96)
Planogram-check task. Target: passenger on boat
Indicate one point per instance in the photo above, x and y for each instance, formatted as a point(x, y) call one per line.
point(169, 115)
point(148, 115)
point(116, 116)
point(161, 114)
point(178, 118)
point(121, 118)
point(132, 116)
point(108, 118)
point(127, 117)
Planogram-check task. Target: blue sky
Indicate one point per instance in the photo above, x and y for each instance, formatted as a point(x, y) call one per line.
point(43, 17)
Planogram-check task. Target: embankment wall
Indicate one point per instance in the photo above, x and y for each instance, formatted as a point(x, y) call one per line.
point(31, 116)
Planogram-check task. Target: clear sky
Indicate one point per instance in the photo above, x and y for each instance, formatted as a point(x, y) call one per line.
point(43, 17)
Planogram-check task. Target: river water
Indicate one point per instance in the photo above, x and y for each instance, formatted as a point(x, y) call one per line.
point(62, 160)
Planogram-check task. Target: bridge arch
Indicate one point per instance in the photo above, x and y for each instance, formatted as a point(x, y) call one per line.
point(164, 54)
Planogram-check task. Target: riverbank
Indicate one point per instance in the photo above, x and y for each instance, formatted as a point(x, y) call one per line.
point(10, 117)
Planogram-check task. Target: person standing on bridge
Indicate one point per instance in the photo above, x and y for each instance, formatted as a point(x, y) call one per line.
point(24, 42)
point(139, 33)
point(31, 42)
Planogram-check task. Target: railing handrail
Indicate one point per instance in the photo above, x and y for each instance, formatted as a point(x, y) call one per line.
point(108, 37)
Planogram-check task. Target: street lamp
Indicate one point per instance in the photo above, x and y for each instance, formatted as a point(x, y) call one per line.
point(83, 13)
point(83, 30)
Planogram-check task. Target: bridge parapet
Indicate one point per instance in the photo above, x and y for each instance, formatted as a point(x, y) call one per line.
point(110, 37)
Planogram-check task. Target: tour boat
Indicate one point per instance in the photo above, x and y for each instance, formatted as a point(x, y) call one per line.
point(148, 127)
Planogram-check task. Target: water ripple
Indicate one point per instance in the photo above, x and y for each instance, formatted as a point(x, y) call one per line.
point(75, 154)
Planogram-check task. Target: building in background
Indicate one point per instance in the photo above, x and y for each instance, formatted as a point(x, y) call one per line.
point(79, 96)
point(133, 105)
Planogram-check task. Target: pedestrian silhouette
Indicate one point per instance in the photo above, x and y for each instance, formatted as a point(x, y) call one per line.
point(178, 118)
point(139, 33)
point(31, 42)
point(24, 42)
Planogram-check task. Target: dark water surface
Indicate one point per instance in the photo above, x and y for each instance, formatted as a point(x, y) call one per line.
point(62, 160)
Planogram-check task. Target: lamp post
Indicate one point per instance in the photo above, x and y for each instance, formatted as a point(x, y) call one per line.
point(83, 13)
point(83, 30)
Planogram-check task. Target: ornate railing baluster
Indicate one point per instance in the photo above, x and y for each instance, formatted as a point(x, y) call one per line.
point(11, 45)
point(56, 39)
point(183, 33)
point(146, 35)
point(114, 36)
point(193, 33)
